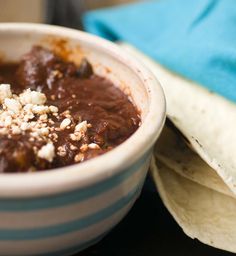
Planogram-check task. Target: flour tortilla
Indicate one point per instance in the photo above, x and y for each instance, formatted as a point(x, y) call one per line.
point(206, 119)
point(202, 213)
point(172, 150)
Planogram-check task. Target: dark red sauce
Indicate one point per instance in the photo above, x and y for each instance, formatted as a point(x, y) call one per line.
point(87, 96)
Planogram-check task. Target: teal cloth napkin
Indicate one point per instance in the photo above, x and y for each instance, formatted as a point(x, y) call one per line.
point(195, 38)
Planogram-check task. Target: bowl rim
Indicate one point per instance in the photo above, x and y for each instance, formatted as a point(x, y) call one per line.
point(57, 180)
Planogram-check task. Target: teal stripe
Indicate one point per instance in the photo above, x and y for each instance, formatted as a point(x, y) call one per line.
point(72, 196)
point(76, 225)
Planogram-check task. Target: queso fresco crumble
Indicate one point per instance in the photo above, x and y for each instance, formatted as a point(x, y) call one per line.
point(54, 113)
point(27, 112)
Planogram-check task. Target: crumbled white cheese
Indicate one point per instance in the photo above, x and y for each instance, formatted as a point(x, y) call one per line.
point(28, 113)
point(3, 130)
point(79, 157)
point(53, 109)
point(65, 123)
point(76, 136)
point(5, 92)
point(43, 117)
point(8, 121)
point(81, 127)
point(47, 152)
point(73, 147)
point(24, 126)
point(32, 97)
point(28, 117)
point(16, 130)
point(28, 108)
point(61, 151)
point(44, 131)
point(13, 104)
point(40, 109)
point(93, 146)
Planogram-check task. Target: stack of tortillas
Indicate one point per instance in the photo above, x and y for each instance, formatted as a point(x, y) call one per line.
point(194, 165)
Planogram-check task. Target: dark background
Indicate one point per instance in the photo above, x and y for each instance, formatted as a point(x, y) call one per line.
point(149, 229)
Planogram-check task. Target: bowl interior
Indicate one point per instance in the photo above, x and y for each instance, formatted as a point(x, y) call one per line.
point(108, 60)
point(13, 44)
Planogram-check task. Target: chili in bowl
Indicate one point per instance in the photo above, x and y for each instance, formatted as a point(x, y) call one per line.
point(78, 121)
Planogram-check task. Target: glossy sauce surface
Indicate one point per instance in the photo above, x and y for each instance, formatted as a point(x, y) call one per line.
point(86, 96)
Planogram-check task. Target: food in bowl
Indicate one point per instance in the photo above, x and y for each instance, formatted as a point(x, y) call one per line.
point(56, 114)
point(66, 210)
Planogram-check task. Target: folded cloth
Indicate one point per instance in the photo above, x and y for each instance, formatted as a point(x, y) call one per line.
point(196, 38)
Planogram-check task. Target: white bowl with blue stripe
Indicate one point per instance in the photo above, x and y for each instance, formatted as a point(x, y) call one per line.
point(61, 211)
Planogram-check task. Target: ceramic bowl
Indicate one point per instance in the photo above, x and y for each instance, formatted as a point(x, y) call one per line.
point(62, 211)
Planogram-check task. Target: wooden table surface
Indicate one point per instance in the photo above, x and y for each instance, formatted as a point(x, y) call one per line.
point(149, 230)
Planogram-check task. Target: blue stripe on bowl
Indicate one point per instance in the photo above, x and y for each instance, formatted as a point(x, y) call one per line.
point(72, 196)
point(76, 225)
